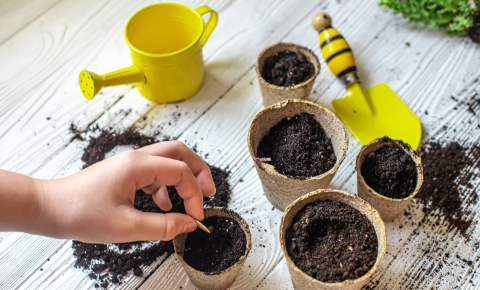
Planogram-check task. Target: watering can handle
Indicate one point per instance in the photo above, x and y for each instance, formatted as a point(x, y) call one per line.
point(335, 50)
point(211, 22)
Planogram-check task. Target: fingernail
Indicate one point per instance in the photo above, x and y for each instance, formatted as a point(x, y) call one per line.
point(190, 227)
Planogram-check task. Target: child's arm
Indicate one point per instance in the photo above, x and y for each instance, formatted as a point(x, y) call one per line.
point(96, 204)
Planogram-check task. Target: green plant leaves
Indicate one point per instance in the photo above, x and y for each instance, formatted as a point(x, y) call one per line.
point(453, 16)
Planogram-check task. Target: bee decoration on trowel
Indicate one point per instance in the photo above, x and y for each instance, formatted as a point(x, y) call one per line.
point(335, 49)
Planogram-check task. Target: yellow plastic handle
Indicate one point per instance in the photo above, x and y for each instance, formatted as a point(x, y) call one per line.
point(211, 23)
point(336, 52)
point(335, 49)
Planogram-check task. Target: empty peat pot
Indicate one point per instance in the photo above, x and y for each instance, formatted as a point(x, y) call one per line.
point(217, 280)
point(272, 93)
point(389, 208)
point(303, 281)
point(282, 190)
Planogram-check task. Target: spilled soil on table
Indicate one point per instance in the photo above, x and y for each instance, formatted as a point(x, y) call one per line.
point(111, 263)
point(447, 169)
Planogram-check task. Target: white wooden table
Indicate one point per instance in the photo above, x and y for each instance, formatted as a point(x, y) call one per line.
point(45, 43)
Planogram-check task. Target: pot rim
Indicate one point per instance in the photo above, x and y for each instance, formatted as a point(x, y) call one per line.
point(279, 106)
point(241, 222)
point(315, 62)
point(416, 159)
point(381, 237)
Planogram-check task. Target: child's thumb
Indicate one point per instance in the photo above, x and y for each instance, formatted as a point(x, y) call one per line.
point(164, 227)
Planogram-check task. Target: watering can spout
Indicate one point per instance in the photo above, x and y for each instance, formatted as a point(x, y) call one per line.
point(91, 83)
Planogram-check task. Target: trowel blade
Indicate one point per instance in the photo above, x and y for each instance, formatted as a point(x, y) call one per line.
point(376, 112)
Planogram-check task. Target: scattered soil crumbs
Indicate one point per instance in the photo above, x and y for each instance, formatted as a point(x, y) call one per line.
point(332, 242)
point(298, 147)
point(474, 31)
point(113, 262)
point(390, 171)
point(215, 252)
point(287, 68)
point(443, 170)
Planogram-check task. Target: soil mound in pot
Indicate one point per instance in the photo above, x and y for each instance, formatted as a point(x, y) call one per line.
point(217, 251)
point(332, 242)
point(287, 68)
point(390, 171)
point(111, 263)
point(298, 147)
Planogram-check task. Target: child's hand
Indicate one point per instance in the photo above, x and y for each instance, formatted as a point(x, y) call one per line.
point(95, 205)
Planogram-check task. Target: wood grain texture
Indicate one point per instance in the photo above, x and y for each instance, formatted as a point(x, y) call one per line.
point(17, 14)
point(38, 81)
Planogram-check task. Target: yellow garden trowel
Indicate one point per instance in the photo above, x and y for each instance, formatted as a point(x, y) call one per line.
point(369, 113)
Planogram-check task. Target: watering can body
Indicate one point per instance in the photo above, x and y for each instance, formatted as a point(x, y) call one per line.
point(165, 41)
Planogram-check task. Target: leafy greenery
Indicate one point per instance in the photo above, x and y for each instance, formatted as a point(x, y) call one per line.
point(453, 16)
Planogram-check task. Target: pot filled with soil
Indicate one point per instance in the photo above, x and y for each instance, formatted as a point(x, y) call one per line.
point(213, 260)
point(286, 71)
point(389, 175)
point(297, 147)
point(331, 239)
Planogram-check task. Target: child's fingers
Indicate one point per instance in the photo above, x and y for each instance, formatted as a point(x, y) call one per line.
point(148, 168)
point(160, 197)
point(164, 227)
point(177, 150)
point(159, 194)
point(152, 188)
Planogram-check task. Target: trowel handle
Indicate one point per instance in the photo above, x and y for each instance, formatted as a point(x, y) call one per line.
point(335, 49)
point(91, 83)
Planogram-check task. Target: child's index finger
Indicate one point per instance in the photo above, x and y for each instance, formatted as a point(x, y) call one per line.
point(179, 151)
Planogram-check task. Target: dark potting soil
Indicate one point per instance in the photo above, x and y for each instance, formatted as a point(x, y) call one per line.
point(390, 171)
point(114, 261)
point(298, 147)
point(217, 251)
point(332, 242)
point(474, 31)
point(443, 171)
point(287, 68)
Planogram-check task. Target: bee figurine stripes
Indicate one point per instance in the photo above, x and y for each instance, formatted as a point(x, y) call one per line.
point(335, 49)
point(369, 113)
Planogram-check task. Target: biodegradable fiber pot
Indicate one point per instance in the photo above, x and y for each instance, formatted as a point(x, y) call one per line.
point(279, 189)
point(271, 93)
point(389, 208)
point(225, 278)
point(302, 281)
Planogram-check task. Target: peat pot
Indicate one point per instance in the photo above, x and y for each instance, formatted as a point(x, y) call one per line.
point(271, 93)
point(223, 280)
point(282, 190)
point(302, 281)
point(389, 208)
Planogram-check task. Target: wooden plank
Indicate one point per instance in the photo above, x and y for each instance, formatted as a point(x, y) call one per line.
point(49, 53)
point(278, 279)
point(16, 14)
point(123, 119)
point(371, 38)
point(450, 79)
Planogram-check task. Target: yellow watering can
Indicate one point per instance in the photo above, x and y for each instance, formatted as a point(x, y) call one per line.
point(369, 113)
point(165, 41)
